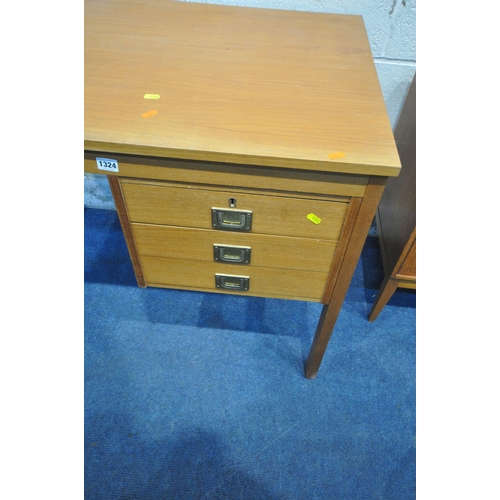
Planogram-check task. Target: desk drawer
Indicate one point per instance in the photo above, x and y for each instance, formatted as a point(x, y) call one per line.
point(192, 207)
point(408, 269)
point(266, 251)
point(264, 282)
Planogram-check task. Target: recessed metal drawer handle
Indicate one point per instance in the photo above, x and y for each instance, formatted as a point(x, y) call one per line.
point(232, 254)
point(231, 220)
point(229, 282)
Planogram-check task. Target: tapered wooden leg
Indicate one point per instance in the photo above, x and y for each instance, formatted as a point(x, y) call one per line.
point(116, 191)
point(323, 333)
point(351, 241)
point(385, 292)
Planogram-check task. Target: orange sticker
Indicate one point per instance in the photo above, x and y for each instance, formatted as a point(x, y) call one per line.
point(150, 113)
point(337, 154)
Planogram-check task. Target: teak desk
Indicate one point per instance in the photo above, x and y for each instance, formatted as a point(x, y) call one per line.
point(246, 149)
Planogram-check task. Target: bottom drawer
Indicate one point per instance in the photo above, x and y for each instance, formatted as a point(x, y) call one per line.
point(263, 282)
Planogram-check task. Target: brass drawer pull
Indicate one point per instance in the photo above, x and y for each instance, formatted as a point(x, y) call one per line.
point(232, 254)
point(231, 220)
point(228, 282)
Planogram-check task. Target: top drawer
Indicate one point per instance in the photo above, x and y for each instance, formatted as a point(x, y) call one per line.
point(191, 206)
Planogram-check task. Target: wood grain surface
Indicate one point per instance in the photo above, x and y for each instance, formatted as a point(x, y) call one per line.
point(264, 281)
point(266, 251)
point(191, 206)
point(244, 85)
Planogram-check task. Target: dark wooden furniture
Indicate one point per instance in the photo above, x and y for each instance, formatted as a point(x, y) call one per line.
point(396, 214)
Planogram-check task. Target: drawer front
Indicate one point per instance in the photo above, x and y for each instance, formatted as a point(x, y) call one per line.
point(274, 215)
point(263, 282)
point(408, 269)
point(266, 251)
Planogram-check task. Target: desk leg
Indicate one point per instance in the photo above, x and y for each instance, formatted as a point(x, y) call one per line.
point(387, 289)
point(354, 233)
point(121, 209)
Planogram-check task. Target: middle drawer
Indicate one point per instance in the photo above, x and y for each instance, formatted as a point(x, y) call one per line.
point(266, 250)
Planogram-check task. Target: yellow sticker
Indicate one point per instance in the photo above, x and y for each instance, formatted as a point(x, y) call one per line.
point(337, 154)
point(151, 96)
point(150, 113)
point(314, 218)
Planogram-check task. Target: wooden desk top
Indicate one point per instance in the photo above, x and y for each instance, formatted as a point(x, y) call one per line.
point(241, 85)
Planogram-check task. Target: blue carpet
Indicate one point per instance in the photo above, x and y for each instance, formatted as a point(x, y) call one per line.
point(202, 396)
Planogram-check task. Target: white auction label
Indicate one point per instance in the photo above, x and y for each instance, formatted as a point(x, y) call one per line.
point(107, 164)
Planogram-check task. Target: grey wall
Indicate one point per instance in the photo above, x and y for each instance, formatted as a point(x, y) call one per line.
point(391, 27)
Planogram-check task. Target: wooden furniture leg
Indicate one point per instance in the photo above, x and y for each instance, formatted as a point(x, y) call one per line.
point(121, 210)
point(357, 230)
point(386, 291)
